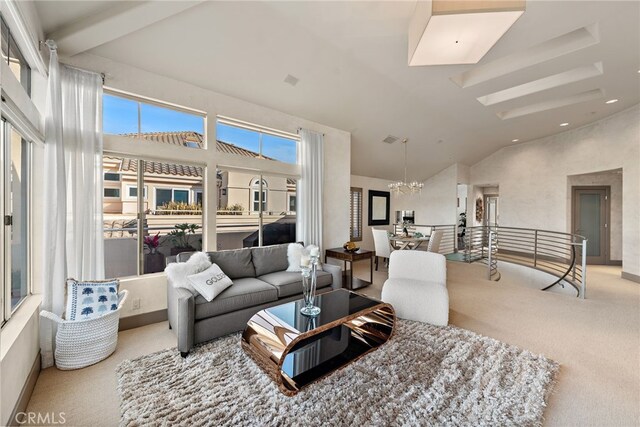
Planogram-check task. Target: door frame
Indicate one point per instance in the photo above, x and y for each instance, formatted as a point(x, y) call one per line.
point(606, 245)
point(485, 220)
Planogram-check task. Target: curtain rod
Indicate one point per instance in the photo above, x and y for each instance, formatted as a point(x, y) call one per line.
point(299, 129)
point(51, 44)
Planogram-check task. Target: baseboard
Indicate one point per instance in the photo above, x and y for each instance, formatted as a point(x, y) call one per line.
point(630, 276)
point(143, 319)
point(615, 262)
point(27, 391)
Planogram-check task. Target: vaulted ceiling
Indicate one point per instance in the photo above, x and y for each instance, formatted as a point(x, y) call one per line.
point(558, 64)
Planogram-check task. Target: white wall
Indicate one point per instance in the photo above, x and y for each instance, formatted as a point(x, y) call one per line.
point(437, 204)
point(533, 176)
point(337, 148)
point(368, 183)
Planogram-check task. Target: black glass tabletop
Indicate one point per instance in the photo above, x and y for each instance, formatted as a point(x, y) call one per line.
point(333, 305)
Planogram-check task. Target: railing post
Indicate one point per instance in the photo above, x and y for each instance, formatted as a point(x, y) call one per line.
point(583, 284)
point(491, 249)
point(535, 249)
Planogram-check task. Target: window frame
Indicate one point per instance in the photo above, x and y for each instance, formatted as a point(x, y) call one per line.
point(292, 196)
point(104, 176)
point(128, 196)
point(259, 186)
point(173, 194)
point(25, 67)
point(6, 310)
point(261, 131)
point(139, 100)
point(117, 189)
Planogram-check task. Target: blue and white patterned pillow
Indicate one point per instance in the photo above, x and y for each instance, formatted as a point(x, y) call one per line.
point(86, 300)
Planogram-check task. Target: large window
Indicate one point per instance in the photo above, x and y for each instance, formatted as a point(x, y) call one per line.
point(355, 209)
point(13, 57)
point(245, 139)
point(161, 123)
point(255, 210)
point(170, 215)
point(141, 228)
point(15, 212)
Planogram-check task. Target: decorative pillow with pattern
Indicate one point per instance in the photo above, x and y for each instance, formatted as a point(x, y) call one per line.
point(211, 282)
point(86, 300)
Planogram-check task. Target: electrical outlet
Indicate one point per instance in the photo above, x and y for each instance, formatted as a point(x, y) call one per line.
point(136, 303)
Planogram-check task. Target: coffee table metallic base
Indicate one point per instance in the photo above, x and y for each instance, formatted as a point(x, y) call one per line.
point(295, 359)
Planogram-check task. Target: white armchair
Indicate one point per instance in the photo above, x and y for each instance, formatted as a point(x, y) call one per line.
point(382, 244)
point(417, 287)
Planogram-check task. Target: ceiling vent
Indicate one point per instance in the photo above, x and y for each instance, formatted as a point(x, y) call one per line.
point(292, 80)
point(390, 139)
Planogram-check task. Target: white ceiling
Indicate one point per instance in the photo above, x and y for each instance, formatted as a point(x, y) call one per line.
point(351, 59)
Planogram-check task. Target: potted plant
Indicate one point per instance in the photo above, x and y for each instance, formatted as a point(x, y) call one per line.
point(180, 237)
point(462, 225)
point(154, 260)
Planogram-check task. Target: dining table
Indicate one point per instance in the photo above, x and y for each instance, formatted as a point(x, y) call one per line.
point(407, 242)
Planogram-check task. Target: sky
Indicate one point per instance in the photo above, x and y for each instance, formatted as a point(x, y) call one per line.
point(120, 115)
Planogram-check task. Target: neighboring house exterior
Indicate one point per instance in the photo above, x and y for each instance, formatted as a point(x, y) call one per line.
point(238, 195)
point(166, 182)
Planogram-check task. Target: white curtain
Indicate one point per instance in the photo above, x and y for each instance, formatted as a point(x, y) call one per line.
point(82, 134)
point(309, 214)
point(72, 241)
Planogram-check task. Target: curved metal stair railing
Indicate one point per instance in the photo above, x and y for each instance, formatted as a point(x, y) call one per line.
point(560, 254)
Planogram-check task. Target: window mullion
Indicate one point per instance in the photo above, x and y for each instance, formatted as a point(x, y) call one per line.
point(3, 231)
point(141, 216)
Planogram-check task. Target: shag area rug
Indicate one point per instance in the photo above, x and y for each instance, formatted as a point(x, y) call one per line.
point(424, 375)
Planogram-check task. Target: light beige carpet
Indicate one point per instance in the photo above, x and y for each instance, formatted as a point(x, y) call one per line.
point(424, 375)
point(596, 341)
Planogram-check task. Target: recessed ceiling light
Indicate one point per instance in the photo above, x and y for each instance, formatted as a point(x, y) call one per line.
point(564, 124)
point(611, 101)
point(515, 140)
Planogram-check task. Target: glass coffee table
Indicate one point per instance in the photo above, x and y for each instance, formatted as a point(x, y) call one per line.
point(296, 350)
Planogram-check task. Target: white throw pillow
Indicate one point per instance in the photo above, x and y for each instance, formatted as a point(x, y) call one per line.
point(294, 254)
point(211, 282)
point(177, 272)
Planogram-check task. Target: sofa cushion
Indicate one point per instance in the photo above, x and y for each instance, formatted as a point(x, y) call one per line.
point(268, 259)
point(234, 263)
point(244, 293)
point(289, 283)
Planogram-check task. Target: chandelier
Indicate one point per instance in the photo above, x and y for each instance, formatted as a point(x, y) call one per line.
point(404, 187)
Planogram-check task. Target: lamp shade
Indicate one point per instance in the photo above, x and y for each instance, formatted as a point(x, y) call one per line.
point(458, 32)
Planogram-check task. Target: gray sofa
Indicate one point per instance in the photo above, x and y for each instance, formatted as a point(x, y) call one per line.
point(259, 281)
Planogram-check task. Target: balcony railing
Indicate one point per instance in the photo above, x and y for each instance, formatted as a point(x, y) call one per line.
point(448, 242)
point(562, 255)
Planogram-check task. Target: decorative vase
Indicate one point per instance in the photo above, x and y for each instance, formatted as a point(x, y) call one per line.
point(154, 262)
point(309, 282)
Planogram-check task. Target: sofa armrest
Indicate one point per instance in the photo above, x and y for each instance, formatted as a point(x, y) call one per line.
point(181, 311)
point(336, 273)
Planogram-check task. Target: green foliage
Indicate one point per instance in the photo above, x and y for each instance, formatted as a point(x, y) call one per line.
point(232, 210)
point(180, 236)
point(179, 208)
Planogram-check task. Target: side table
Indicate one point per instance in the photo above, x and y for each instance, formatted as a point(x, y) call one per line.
point(350, 257)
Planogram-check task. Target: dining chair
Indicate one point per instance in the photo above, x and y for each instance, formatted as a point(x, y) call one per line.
point(434, 241)
point(382, 244)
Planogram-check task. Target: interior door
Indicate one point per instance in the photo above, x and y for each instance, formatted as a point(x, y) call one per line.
point(590, 219)
point(491, 211)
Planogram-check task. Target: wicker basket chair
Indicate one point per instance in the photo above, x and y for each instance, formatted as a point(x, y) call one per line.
point(80, 343)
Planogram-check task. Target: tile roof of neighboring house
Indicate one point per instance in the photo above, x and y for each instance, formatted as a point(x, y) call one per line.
point(186, 139)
